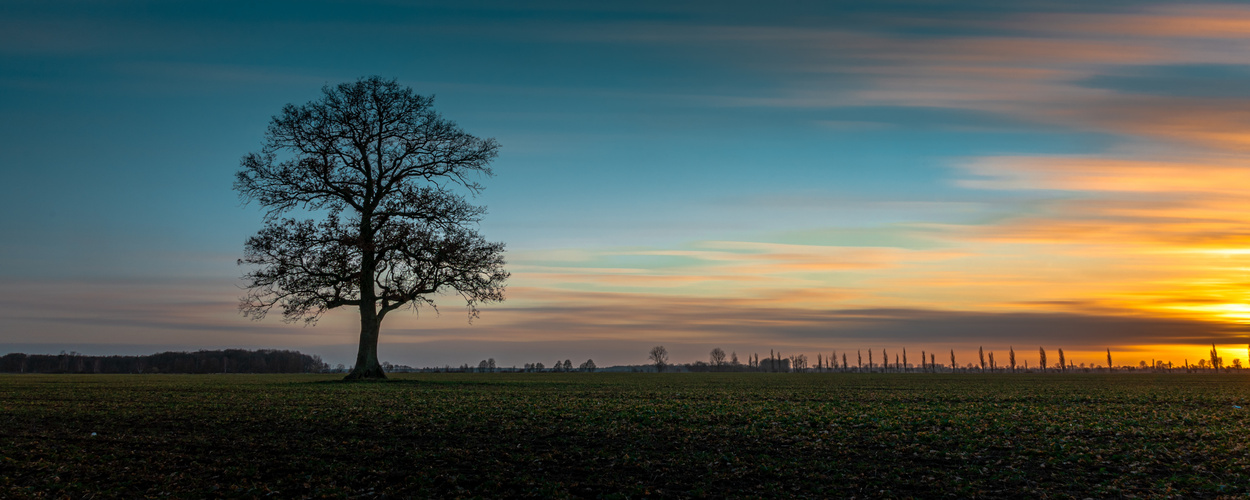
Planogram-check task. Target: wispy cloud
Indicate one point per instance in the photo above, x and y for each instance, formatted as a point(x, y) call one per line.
point(147, 312)
point(709, 321)
point(1154, 222)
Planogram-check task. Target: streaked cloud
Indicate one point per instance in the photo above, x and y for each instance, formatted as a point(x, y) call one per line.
point(1059, 173)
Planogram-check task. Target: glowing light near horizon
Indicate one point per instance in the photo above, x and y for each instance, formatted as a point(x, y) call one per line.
point(1224, 251)
point(1237, 312)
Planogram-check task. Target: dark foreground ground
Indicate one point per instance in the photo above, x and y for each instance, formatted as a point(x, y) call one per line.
point(624, 436)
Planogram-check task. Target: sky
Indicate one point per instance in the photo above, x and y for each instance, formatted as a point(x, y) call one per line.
point(805, 177)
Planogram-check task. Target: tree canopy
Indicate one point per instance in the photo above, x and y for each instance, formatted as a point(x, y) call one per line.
point(388, 177)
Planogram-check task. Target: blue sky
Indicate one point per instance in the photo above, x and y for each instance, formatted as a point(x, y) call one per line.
point(950, 162)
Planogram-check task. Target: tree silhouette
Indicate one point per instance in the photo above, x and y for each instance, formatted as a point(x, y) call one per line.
point(386, 173)
point(717, 357)
point(658, 357)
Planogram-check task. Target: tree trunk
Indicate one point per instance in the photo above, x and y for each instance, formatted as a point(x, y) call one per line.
point(367, 365)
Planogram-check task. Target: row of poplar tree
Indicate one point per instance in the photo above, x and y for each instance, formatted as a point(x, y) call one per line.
point(985, 362)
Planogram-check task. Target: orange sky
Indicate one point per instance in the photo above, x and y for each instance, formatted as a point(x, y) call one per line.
point(1061, 175)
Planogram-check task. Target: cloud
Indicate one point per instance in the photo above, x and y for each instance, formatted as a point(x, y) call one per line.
point(1209, 21)
point(642, 318)
point(145, 312)
point(718, 268)
point(1139, 243)
point(1211, 175)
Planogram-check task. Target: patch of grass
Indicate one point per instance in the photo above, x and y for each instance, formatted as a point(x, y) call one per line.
point(624, 435)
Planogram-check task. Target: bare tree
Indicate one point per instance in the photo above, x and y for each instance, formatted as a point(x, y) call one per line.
point(733, 359)
point(1062, 366)
point(659, 357)
point(717, 357)
point(383, 169)
point(798, 362)
point(1011, 358)
point(953, 365)
point(588, 366)
point(1109, 365)
point(1041, 354)
point(981, 354)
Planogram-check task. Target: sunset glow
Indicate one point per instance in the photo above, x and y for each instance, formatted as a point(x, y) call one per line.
point(898, 175)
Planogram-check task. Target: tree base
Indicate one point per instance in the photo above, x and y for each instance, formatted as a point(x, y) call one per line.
point(370, 373)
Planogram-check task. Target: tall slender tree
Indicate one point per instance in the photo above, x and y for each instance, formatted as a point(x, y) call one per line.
point(952, 360)
point(1011, 358)
point(1062, 364)
point(388, 177)
point(1109, 365)
point(1041, 353)
point(981, 354)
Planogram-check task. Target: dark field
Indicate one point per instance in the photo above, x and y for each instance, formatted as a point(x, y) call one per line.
point(624, 435)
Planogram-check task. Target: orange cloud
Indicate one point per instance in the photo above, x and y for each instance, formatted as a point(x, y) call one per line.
point(1114, 174)
point(1215, 21)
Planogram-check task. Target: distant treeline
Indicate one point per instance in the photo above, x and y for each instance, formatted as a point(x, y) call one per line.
point(227, 361)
